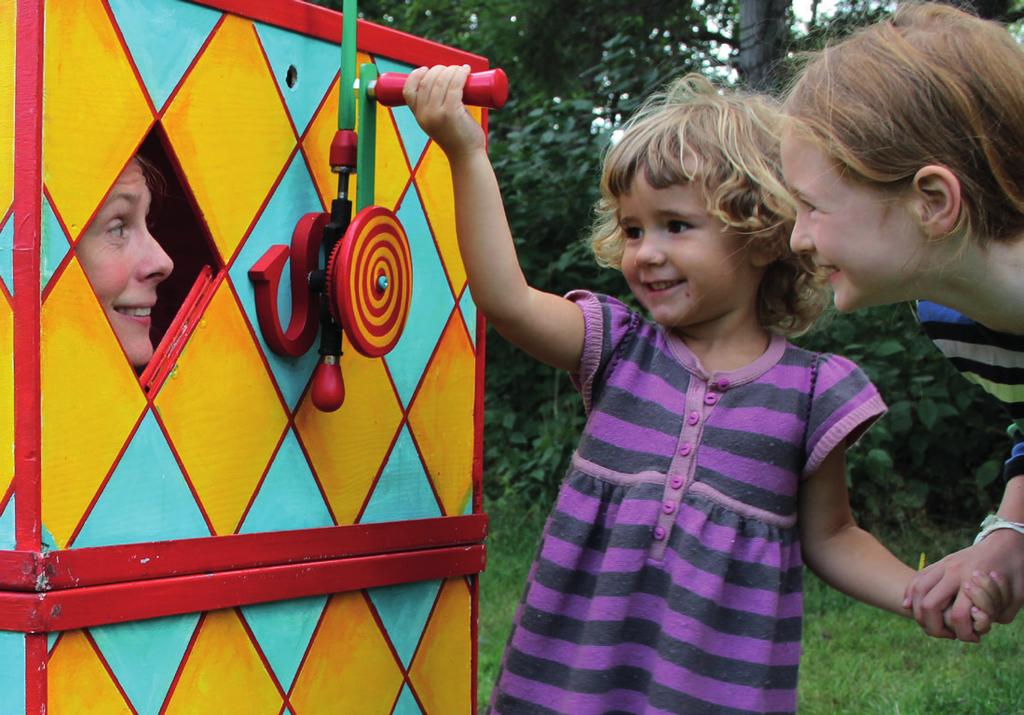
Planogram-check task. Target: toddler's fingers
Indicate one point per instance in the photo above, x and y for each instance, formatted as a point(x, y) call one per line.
point(435, 85)
point(981, 620)
point(457, 77)
point(411, 88)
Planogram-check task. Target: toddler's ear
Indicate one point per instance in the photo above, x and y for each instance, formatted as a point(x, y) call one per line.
point(936, 197)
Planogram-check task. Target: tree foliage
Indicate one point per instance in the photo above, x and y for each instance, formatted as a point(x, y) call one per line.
point(577, 69)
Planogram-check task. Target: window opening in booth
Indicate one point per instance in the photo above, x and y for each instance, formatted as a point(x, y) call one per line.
point(149, 287)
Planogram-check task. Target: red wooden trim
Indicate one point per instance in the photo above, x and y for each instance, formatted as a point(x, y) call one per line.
point(93, 566)
point(136, 600)
point(474, 628)
point(36, 661)
point(325, 24)
point(478, 421)
point(19, 570)
point(28, 182)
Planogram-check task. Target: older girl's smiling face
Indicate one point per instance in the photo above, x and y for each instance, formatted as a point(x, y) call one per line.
point(125, 263)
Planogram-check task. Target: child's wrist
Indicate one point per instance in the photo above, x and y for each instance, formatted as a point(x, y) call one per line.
point(994, 522)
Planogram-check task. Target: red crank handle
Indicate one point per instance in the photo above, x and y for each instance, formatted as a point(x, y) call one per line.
point(483, 89)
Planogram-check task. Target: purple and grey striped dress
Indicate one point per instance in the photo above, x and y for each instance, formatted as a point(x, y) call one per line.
point(669, 575)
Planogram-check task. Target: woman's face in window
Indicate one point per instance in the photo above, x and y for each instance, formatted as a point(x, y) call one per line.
point(125, 263)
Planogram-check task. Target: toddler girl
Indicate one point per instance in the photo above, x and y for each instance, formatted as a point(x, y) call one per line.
point(712, 462)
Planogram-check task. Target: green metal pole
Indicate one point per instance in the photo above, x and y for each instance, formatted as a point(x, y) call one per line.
point(347, 99)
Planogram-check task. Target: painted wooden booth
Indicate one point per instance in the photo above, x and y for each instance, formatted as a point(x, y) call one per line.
point(199, 537)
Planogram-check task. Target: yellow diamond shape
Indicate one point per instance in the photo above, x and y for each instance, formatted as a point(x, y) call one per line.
point(90, 398)
point(320, 134)
point(434, 181)
point(77, 682)
point(94, 113)
point(441, 417)
point(222, 412)
point(230, 132)
point(391, 167)
point(6, 105)
point(6, 396)
point(348, 447)
point(349, 668)
point(224, 673)
point(442, 670)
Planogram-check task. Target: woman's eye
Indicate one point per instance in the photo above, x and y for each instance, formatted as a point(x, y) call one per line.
point(118, 229)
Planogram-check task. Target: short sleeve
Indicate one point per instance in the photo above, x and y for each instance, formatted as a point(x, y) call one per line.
point(844, 404)
point(607, 322)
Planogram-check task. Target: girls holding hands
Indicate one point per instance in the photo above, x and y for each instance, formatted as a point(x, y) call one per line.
point(712, 463)
point(905, 147)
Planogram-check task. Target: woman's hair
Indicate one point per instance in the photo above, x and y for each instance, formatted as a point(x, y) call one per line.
point(930, 85)
point(727, 144)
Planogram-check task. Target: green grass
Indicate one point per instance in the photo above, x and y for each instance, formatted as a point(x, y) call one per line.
point(856, 659)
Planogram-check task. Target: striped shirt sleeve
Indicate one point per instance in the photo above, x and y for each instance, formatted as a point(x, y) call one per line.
point(844, 404)
point(988, 358)
point(606, 322)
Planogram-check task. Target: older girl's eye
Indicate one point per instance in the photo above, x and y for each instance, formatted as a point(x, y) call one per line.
point(632, 232)
point(677, 226)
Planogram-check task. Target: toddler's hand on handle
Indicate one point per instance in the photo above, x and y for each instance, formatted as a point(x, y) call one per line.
point(435, 97)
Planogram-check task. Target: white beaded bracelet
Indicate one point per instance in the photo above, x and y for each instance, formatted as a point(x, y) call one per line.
point(993, 522)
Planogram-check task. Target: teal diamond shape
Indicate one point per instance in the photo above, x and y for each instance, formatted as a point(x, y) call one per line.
point(403, 490)
point(283, 630)
point(145, 655)
point(404, 610)
point(407, 704)
point(54, 245)
point(294, 196)
point(432, 301)
point(12, 672)
point(289, 498)
point(163, 37)
point(310, 64)
point(146, 498)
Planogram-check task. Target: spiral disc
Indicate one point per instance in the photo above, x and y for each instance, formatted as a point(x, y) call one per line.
point(371, 285)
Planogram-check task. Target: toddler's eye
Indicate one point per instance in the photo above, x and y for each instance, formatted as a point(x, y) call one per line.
point(677, 226)
point(632, 232)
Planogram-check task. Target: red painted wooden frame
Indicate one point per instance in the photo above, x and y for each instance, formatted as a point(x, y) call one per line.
point(103, 565)
point(325, 24)
point(136, 600)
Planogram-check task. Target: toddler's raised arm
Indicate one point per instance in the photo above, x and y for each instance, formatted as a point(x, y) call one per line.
point(543, 324)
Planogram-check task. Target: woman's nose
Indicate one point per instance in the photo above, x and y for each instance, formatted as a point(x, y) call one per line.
point(157, 264)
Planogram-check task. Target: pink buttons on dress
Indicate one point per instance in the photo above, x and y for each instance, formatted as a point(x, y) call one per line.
point(710, 398)
point(676, 482)
point(722, 384)
point(659, 533)
point(685, 449)
point(693, 418)
point(668, 507)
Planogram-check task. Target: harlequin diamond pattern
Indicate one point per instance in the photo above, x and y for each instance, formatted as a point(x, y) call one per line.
point(229, 439)
point(387, 650)
point(223, 420)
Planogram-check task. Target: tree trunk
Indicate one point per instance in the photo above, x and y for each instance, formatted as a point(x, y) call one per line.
point(763, 26)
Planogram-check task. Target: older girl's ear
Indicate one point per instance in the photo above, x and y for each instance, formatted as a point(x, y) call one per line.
point(936, 199)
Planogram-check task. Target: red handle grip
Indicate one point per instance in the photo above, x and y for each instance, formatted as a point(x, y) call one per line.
point(483, 89)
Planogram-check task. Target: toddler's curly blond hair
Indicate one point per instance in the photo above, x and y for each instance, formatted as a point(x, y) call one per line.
point(727, 144)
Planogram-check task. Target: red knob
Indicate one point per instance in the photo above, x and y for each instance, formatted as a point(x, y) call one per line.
point(328, 389)
point(483, 89)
